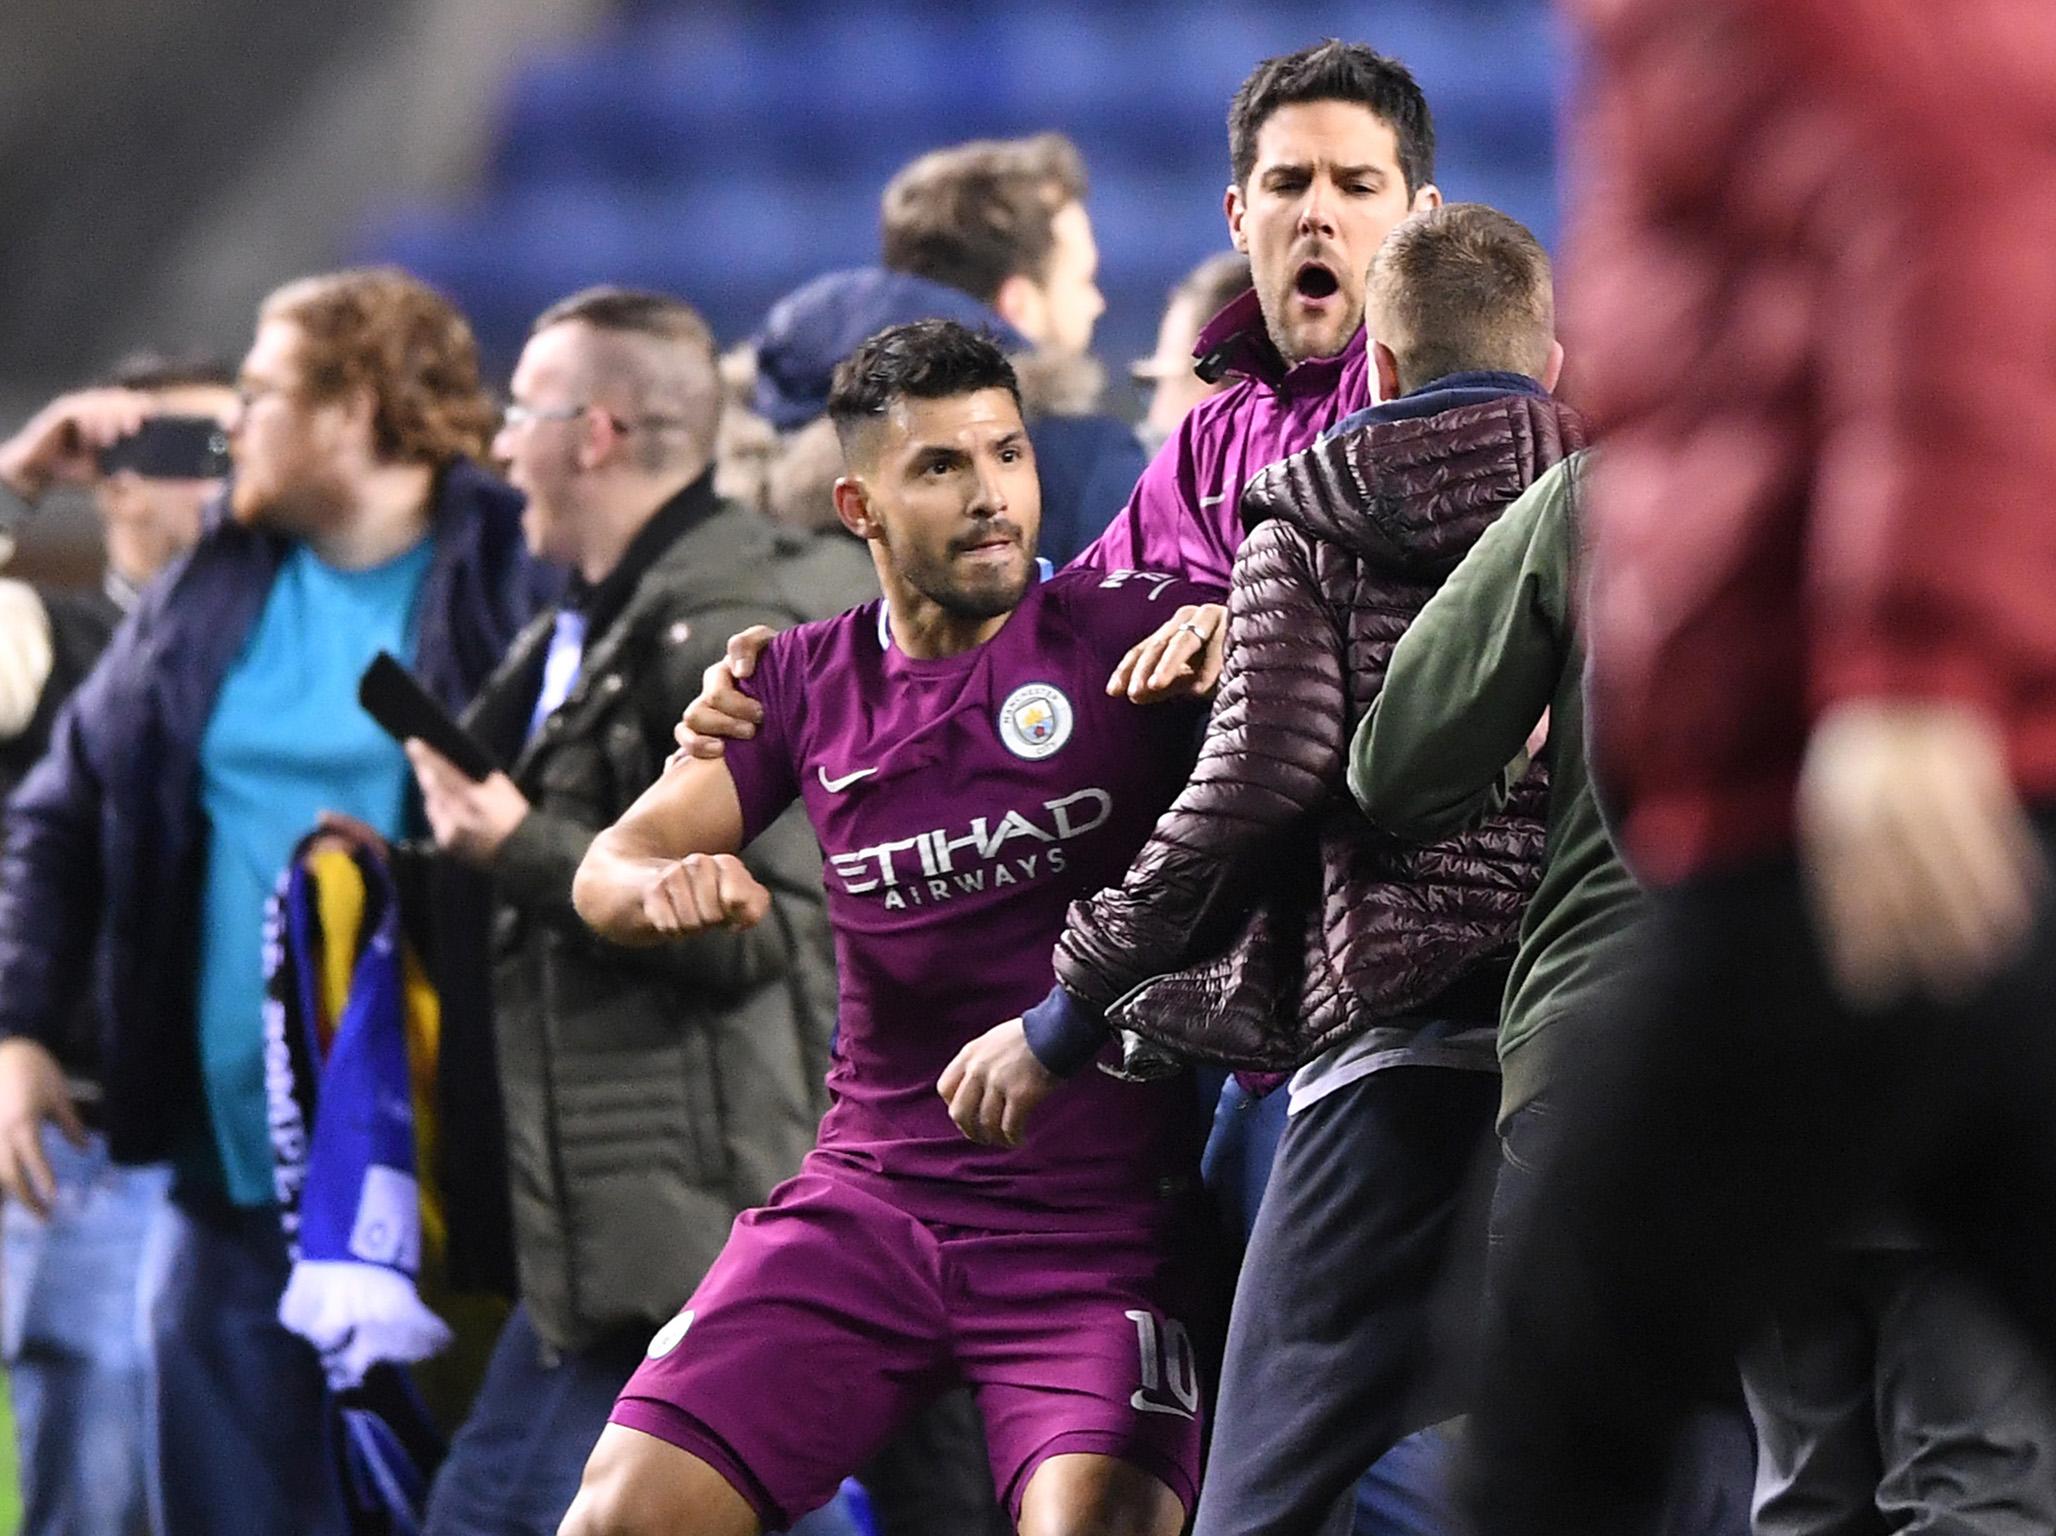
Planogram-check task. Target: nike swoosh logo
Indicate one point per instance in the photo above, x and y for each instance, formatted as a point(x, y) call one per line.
point(837, 786)
point(1213, 501)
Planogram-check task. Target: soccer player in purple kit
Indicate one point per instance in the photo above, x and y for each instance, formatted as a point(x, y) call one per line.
point(968, 776)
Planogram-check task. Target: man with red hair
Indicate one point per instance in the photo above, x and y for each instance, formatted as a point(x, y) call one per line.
point(221, 721)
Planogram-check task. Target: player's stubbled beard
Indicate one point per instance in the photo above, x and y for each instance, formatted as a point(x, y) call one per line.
point(961, 589)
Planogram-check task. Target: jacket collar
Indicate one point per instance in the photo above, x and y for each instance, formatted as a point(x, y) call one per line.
point(480, 588)
point(698, 548)
point(1237, 341)
point(602, 601)
point(1473, 387)
point(1412, 495)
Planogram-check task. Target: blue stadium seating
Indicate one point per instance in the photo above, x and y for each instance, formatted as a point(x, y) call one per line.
point(728, 151)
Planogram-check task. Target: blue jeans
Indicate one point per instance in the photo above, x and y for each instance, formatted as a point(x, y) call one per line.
point(515, 1464)
point(73, 1343)
point(1405, 1493)
point(241, 1422)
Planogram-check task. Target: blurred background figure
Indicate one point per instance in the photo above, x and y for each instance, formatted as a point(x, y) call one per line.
point(1822, 319)
point(70, 1263)
point(142, 847)
point(994, 235)
point(149, 492)
point(1004, 221)
point(1172, 383)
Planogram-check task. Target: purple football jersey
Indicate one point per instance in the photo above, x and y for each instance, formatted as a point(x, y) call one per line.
point(962, 804)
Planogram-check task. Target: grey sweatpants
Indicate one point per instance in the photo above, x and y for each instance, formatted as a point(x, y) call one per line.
point(1896, 1395)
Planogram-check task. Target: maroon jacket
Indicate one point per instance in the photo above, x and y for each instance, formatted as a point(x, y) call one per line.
point(1317, 926)
point(1816, 284)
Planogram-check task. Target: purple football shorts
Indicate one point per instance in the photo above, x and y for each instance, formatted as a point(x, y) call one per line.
point(832, 1316)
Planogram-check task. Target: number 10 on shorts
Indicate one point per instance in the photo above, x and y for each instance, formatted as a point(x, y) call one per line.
point(1170, 1372)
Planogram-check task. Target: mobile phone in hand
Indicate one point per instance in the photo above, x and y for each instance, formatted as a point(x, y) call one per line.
point(170, 448)
point(405, 710)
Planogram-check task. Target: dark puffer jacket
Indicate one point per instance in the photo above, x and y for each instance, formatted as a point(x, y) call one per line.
point(1318, 926)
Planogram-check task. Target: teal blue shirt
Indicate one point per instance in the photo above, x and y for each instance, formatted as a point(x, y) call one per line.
point(287, 741)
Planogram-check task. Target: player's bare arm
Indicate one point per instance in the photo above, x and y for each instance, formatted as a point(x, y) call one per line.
point(668, 867)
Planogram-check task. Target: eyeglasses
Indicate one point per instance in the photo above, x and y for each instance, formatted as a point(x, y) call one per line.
point(514, 415)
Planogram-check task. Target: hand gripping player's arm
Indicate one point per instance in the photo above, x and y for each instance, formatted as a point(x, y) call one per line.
point(668, 867)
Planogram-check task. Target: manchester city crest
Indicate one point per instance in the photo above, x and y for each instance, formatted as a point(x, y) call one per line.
point(1035, 720)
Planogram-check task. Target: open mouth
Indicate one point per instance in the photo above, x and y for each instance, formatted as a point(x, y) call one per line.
point(1315, 281)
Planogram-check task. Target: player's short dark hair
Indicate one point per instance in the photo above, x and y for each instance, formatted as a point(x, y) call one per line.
point(164, 370)
point(1462, 288)
point(973, 215)
point(927, 360)
point(1336, 71)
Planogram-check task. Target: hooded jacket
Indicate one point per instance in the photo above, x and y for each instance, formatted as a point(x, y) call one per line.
point(1494, 650)
point(100, 880)
point(1266, 920)
point(1185, 515)
point(1088, 461)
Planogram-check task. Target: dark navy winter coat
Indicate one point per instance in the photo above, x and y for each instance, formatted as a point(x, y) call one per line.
point(105, 845)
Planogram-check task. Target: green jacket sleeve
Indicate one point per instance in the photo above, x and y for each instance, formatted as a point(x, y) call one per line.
point(535, 866)
point(1471, 677)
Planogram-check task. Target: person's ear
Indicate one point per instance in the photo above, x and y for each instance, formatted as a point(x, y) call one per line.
point(1427, 197)
point(599, 439)
point(1021, 302)
point(853, 507)
point(1552, 370)
point(1385, 364)
point(1237, 209)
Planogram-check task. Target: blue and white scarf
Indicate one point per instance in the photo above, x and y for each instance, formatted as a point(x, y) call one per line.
point(342, 1129)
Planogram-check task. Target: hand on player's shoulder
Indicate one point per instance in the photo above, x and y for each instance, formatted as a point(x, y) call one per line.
point(723, 712)
point(1180, 659)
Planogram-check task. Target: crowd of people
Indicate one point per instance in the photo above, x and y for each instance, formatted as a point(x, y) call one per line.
point(1378, 954)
